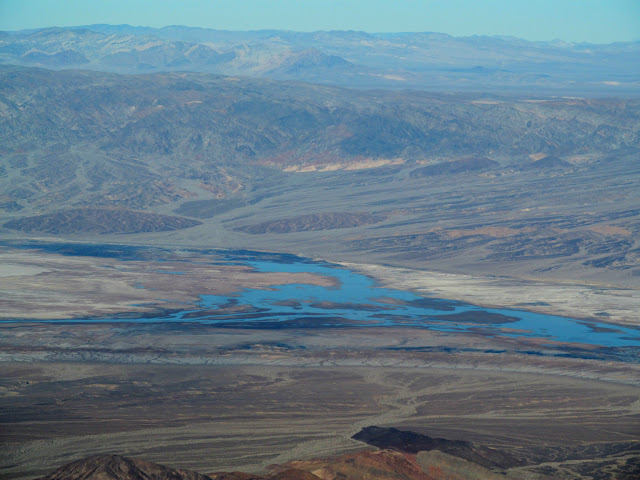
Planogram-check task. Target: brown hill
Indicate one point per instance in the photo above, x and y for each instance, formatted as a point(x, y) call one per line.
point(363, 465)
point(287, 474)
point(377, 465)
point(366, 465)
point(115, 467)
point(442, 466)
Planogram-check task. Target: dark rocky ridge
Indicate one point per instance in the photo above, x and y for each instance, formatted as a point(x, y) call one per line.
point(547, 162)
point(411, 442)
point(463, 165)
point(432, 61)
point(100, 220)
point(314, 222)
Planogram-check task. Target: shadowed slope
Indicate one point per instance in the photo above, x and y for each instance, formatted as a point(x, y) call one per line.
point(411, 442)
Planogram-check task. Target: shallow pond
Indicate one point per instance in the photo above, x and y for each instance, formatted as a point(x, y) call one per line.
point(358, 302)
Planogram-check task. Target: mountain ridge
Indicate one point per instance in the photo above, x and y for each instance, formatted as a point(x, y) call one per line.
point(420, 60)
point(480, 183)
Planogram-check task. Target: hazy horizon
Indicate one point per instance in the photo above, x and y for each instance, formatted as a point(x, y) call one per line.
point(474, 35)
point(592, 21)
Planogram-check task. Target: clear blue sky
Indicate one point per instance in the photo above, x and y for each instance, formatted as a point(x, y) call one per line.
point(596, 21)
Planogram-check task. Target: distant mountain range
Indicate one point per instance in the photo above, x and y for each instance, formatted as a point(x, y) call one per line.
point(210, 137)
point(430, 61)
point(524, 179)
point(93, 139)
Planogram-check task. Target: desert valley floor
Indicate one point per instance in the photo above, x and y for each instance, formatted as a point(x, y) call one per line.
point(190, 374)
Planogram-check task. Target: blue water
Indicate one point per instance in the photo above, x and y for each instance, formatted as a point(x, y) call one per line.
point(357, 301)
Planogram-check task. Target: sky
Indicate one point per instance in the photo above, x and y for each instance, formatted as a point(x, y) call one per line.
point(594, 21)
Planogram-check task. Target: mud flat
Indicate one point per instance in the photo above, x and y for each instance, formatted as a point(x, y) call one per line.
point(256, 290)
point(37, 284)
point(596, 302)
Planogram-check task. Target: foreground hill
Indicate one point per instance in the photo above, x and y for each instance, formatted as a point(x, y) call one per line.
point(364, 465)
point(115, 467)
point(385, 464)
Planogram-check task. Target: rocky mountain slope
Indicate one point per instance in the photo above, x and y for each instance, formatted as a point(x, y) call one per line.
point(463, 182)
point(369, 465)
point(364, 465)
point(115, 467)
point(383, 464)
point(83, 138)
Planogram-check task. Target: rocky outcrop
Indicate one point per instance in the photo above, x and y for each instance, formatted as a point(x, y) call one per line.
point(412, 442)
point(115, 467)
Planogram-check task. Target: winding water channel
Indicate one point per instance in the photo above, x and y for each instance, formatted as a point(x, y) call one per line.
point(357, 301)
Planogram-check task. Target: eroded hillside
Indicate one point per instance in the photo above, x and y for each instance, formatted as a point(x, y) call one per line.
point(529, 187)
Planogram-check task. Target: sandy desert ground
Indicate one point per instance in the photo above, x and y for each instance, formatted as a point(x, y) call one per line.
point(601, 302)
point(212, 418)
